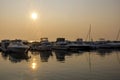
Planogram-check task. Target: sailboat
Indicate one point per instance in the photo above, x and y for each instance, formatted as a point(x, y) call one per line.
point(79, 44)
point(90, 42)
point(110, 44)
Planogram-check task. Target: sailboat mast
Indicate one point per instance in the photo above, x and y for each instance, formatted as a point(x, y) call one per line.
point(118, 35)
point(89, 34)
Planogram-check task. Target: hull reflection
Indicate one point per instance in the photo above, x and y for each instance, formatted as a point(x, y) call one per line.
point(45, 55)
point(16, 57)
point(60, 55)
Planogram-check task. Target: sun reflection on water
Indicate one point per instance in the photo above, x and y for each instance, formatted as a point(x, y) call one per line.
point(34, 64)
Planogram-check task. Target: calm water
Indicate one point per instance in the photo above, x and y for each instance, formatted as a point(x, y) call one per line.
point(61, 65)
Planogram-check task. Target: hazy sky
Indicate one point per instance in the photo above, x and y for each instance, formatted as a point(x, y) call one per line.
point(59, 18)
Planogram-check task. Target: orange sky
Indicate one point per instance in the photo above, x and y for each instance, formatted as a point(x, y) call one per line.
point(59, 18)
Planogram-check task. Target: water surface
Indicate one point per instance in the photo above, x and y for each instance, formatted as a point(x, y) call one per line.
point(61, 65)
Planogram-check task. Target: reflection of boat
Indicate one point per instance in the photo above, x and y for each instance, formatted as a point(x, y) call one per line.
point(104, 52)
point(118, 58)
point(0, 49)
point(90, 61)
point(13, 57)
point(44, 45)
point(4, 55)
point(17, 46)
point(45, 55)
point(60, 55)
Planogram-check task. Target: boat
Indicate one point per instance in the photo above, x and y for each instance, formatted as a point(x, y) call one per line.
point(79, 45)
point(17, 46)
point(109, 45)
point(60, 44)
point(4, 44)
point(34, 46)
point(44, 45)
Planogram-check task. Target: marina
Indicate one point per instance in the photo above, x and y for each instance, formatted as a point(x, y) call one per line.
point(59, 39)
point(60, 44)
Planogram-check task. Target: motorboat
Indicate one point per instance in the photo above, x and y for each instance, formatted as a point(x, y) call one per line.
point(60, 44)
point(109, 45)
point(4, 44)
point(44, 45)
point(17, 46)
point(79, 45)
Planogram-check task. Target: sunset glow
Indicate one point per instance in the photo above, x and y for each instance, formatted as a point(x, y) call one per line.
point(34, 16)
point(59, 18)
point(59, 39)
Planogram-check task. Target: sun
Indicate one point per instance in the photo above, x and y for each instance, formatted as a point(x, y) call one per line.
point(34, 16)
